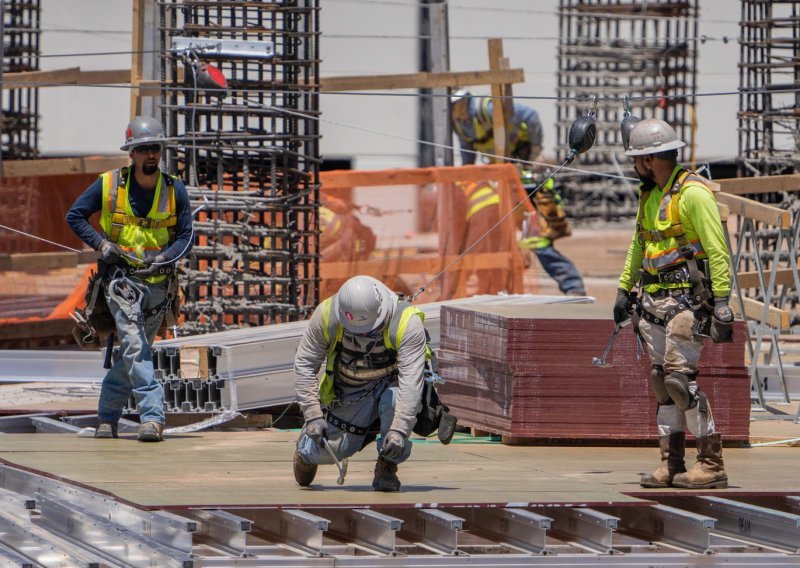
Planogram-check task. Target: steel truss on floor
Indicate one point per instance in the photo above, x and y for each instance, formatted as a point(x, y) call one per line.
point(45, 522)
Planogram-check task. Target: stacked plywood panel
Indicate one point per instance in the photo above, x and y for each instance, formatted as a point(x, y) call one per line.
point(526, 371)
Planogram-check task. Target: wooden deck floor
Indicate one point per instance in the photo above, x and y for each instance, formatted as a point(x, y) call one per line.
point(247, 469)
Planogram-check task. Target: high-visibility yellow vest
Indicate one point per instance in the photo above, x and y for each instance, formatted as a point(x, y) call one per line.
point(479, 195)
point(140, 237)
point(483, 123)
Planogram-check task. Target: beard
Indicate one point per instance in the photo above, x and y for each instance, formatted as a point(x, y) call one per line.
point(645, 179)
point(149, 169)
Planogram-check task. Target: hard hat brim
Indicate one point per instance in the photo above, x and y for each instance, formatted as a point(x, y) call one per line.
point(127, 147)
point(674, 145)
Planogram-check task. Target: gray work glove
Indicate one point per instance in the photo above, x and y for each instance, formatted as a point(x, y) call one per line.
point(151, 268)
point(110, 252)
point(622, 306)
point(722, 311)
point(317, 430)
point(393, 444)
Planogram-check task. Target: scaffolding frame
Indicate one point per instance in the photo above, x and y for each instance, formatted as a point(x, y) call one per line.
point(250, 154)
point(612, 49)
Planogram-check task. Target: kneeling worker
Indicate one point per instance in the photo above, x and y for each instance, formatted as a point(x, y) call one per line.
point(373, 349)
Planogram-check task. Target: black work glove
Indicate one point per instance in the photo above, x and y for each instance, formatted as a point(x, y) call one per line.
point(622, 306)
point(393, 444)
point(151, 268)
point(110, 253)
point(317, 430)
point(722, 311)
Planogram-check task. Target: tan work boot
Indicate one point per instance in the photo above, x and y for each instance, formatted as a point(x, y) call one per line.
point(150, 432)
point(673, 448)
point(304, 473)
point(385, 476)
point(106, 430)
point(708, 471)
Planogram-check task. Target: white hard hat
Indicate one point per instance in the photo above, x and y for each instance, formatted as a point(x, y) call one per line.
point(458, 95)
point(143, 130)
point(363, 304)
point(652, 136)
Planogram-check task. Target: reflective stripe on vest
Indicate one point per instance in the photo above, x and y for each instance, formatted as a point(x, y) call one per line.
point(479, 195)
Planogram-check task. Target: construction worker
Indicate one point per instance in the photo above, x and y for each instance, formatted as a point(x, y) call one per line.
point(544, 225)
point(146, 225)
point(679, 257)
point(473, 124)
point(373, 349)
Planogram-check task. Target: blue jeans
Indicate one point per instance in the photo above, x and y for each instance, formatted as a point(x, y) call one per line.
point(562, 270)
point(380, 404)
point(128, 299)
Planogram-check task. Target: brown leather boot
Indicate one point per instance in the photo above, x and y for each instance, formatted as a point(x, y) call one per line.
point(304, 473)
point(709, 470)
point(385, 476)
point(150, 432)
point(106, 430)
point(673, 448)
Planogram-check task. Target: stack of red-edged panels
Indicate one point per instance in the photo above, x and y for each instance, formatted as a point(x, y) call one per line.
point(526, 371)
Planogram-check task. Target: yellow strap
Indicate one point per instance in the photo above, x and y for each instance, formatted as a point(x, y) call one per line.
point(477, 207)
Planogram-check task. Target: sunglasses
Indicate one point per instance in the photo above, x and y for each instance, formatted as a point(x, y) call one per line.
point(151, 149)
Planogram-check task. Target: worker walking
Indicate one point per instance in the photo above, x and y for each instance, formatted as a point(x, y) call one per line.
point(679, 256)
point(473, 124)
point(146, 225)
point(373, 350)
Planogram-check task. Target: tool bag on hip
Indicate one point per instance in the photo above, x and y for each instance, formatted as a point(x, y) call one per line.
point(94, 322)
point(434, 416)
point(552, 218)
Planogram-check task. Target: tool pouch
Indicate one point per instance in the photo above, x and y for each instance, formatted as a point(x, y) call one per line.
point(552, 219)
point(94, 322)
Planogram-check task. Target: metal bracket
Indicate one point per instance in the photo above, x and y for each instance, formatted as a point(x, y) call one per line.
point(244, 49)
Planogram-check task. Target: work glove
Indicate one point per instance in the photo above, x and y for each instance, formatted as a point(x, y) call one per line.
point(317, 430)
point(722, 311)
point(393, 444)
point(622, 306)
point(151, 268)
point(110, 253)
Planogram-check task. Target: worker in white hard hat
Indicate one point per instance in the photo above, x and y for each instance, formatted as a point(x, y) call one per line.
point(679, 258)
point(146, 226)
point(371, 349)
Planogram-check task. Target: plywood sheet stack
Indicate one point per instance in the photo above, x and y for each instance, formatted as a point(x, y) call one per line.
point(525, 371)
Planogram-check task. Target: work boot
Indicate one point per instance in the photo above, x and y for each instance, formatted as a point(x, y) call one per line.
point(385, 476)
point(150, 432)
point(708, 471)
point(673, 448)
point(303, 472)
point(106, 430)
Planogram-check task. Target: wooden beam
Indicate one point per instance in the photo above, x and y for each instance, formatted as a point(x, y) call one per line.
point(451, 79)
point(46, 260)
point(348, 179)
point(499, 118)
point(137, 57)
point(60, 77)
point(755, 210)
point(761, 184)
point(63, 166)
point(776, 318)
point(414, 265)
point(783, 277)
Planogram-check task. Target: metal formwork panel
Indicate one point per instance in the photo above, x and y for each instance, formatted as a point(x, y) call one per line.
point(611, 49)
point(250, 154)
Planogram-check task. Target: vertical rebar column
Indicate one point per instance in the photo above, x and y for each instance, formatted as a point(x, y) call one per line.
point(610, 49)
point(769, 73)
point(19, 119)
point(254, 151)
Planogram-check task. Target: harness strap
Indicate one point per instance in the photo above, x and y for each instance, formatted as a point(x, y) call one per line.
point(671, 313)
point(334, 420)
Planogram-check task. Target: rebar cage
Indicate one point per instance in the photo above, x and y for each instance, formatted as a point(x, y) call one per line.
point(611, 49)
point(250, 153)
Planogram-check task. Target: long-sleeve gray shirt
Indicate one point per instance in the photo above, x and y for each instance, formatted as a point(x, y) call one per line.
point(312, 353)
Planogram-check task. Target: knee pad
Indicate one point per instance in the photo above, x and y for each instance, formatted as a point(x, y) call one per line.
point(678, 386)
point(657, 382)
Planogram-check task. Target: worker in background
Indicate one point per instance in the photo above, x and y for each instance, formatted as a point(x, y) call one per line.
point(679, 257)
point(372, 348)
point(146, 225)
point(472, 121)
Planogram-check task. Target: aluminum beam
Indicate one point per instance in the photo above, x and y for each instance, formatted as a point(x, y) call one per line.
point(669, 525)
point(585, 527)
point(298, 530)
point(373, 531)
point(516, 527)
point(432, 527)
point(748, 522)
point(42, 424)
point(222, 530)
point(9, 558)
point(16, 504)
point(51, 366)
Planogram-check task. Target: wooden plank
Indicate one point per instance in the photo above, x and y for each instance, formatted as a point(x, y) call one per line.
point(348, 179)
point(46, 260)
point(499, 117)
point(38, 329)
point(63, 166)
point(137, 57)
point(414, 265)
point(451, 79)
point(755, 210)
point(761, 184)
point(783, 277)
point(60, 77)
point(776, 318)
